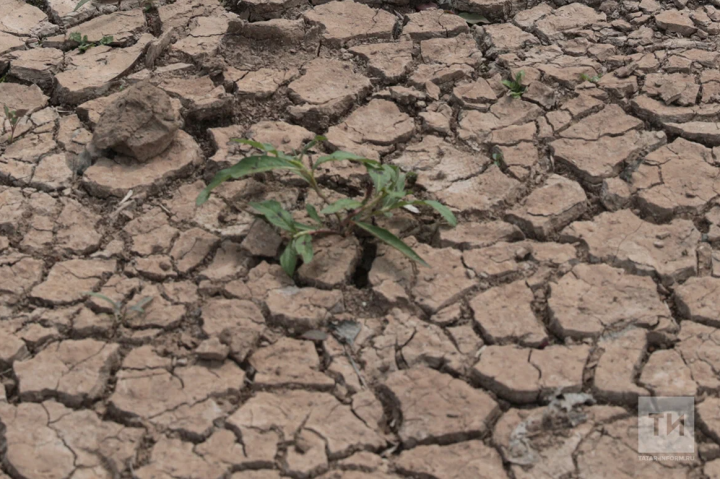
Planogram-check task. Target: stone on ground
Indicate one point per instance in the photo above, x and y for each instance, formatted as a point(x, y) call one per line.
point(140, 124)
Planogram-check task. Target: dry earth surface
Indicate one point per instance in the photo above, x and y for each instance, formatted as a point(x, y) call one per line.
point(587, 258)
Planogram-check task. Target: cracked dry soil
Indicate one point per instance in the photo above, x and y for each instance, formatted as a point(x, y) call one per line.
point(587, 258)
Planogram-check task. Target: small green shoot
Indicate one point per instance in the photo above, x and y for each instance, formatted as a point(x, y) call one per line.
point(473, 18)
point(342, 217)
point(149, 6)
point(591, 79)
point(80, 4)
point(120, 310)
point(516, 87)
point(498, 159)
point(13, 117)
point(85, 45)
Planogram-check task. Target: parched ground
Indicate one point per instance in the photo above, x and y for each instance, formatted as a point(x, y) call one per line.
point(587, 258)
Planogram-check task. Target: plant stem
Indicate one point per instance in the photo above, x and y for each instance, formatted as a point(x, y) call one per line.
point(362, 210)
point(315, 232)
point(316, 187)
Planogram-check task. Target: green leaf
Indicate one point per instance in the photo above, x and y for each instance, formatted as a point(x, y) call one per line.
point(288, 260)
point(440, 208)
point(473, 18)
point(509, 84)
point(275, 214)
point(246, 166)
point(392, 240)
point(80, 4)
point(312, 213)
point(345, 156)
point(140, 305)
point(381, 177)
point(115, 305)
point(399, 186)
point(339, 205)
point(106, 40)
point(313, 142)
point(287, 217)
point(303, 246)
point(266, 147)
point(302, 227)
point(76, 37)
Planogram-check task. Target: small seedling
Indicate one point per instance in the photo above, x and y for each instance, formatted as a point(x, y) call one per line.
point(516, 88)
point(386, 193)
point(85, 45)
point(149, 5)
point(498, 159)
point(121, 310)
point(80, 4)
point(82, 41)
point(13, 117)
point(591, 79)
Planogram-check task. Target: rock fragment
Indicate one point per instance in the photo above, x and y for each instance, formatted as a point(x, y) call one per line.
point(140, 124)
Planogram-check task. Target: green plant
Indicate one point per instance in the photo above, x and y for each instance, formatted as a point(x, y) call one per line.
point(80, 4)
point(498, 159)
point(515, 86)
point(120, 310)
point(149, 5)
point(13, 117)
point(385, 193)
point(85, 45)
point(591, 79)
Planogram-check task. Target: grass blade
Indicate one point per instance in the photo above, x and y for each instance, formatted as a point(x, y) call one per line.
point(266, 147)
point(392, 240)
point(311, 143)
point(104, 298)
point(246, 166)
point(440, 208)
point(80, 4)
point(140, 305)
